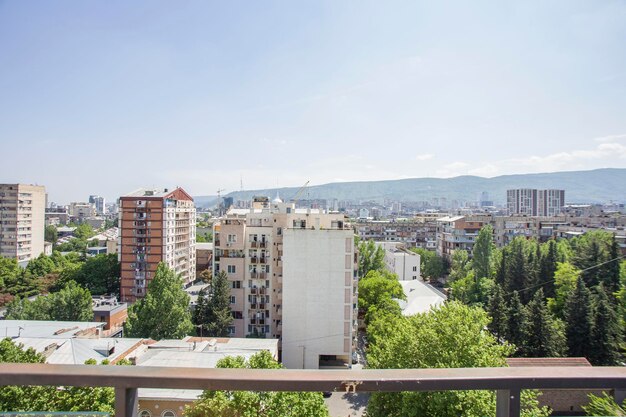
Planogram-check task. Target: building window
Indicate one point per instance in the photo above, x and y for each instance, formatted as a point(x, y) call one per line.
point(168, 413)
point(232, 238)
point(231, 330)
point(145, 413)
point(231, 269)
point(414, 269)
point(232, 299)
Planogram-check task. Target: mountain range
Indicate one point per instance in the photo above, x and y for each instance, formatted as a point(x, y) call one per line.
point(595, 186)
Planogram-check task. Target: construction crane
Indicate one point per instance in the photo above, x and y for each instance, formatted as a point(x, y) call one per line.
point(294, 199)
point(219, 201)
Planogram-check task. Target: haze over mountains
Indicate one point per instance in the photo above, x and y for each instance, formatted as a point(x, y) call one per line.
point(595, 186)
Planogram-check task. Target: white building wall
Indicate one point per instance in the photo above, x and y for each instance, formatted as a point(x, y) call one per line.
point(405, 264)
point(317, 296)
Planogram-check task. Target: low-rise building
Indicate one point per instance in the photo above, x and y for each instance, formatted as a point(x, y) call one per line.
point(402, 262)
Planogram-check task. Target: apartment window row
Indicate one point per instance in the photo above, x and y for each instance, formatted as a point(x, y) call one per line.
point(266, 328)
point(258, 298)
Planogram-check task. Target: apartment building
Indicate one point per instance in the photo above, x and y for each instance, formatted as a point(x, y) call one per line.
point(419, 231)
point(533, 202)
point(22, 221)
point(155, 226)
point(99, 203)
point(458, 233)
point(402, 262)
point(79, 211)
point(293, 276)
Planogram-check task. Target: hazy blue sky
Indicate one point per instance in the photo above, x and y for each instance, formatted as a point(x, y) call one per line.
point(109, 96)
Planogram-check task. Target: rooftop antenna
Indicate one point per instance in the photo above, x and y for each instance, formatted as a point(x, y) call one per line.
point(241, 183)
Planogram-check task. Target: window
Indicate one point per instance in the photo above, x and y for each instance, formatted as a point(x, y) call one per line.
point(168, 413)
point(236, 284)
point(231, 269)
point(414, 269)
point(232, 299)
point(232, 238)
point(145, 413)
point(231, 330)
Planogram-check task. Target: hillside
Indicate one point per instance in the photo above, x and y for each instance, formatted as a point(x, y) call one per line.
point(596, 186)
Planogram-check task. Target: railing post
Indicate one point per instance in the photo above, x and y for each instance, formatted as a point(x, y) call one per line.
point(619, 395)
point(508, 403)
point(126, 402)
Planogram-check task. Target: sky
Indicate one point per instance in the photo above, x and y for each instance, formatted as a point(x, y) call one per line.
point(104, 97)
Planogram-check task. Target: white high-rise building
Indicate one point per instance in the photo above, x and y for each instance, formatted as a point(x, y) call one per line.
point(292, 274)
point(22, 221)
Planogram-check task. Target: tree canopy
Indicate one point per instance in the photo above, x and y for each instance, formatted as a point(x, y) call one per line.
point(371, 257)
point(44, 398)
point(212, 311)
point(164, 312)
point(452, 336)
point(72, 303)
point(377, 287)
point(257, 404)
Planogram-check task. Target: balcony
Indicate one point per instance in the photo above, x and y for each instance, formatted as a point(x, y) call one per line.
point(507, 382)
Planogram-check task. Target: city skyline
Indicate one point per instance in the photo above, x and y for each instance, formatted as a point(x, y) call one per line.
point(322, 92)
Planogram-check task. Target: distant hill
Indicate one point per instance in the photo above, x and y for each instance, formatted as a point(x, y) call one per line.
point(595, 186)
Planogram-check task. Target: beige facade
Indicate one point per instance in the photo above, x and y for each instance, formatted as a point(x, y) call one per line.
point(155, 226)
point(22, 221)
point(249, 247)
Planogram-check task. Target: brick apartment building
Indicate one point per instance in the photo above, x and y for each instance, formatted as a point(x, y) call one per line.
point(155, 226)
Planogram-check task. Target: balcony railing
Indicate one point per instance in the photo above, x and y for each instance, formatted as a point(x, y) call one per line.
point(507, 382)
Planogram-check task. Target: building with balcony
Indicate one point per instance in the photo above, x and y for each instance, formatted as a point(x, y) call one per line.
point(292, 274)
point(458, 233)
point(155, 226)
point(22, 221)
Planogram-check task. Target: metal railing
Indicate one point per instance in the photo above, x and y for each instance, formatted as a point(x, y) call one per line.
point(507, 382)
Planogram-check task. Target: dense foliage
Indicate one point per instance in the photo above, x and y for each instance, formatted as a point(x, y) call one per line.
point(371, 257)
point(257, 404)
point(212, 314)
point(164, 312)
point(560, 298)
point(72, 303)
point(43, 398)
point(452, 336)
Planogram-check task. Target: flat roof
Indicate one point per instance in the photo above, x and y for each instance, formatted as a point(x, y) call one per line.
point(204, 246)
point(420, 298)
point(41, 328)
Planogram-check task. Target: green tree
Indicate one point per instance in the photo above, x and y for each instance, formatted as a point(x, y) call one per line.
point(547, 269)
point(431, 264)
point(604, 406)
point(544, 335)
point(499, 312)
point(517, 277)
point(611, 270)
point(43, 398)
point(460, 266)
point(517, 322)
point(579, 321)
point(606, 334)
point(258, 404)
point(218, 316)
point(84, 231)
point(164, 312)
point(452, 336)
point(377, 286)
point(564, 283)
point(482, 254)
point(40, 266)
point(371, 257)
point(72, 303)
point(50, 234)
point(590, 250)
point(100, 274)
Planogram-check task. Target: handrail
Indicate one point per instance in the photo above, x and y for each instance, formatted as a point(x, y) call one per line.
point(127, 379)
